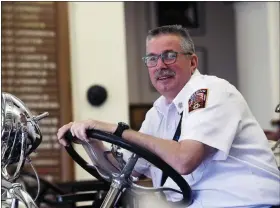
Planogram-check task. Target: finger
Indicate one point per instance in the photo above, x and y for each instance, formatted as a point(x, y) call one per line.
point(81, 132)
point(76, 128)
point(90, 124)
point(63, 142)
point(63, 130)
point(72, 129)
point(84, 135)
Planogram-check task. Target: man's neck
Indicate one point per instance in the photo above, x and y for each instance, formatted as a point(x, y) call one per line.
point(169, 97)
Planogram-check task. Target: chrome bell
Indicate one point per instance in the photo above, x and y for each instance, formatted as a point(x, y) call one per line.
point(20, 134)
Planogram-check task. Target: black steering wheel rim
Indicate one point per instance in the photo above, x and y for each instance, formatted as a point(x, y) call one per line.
point(138, 150)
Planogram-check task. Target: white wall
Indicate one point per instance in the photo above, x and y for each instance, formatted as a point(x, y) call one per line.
point(98, 56)
point(258, 49)
point(218, 40)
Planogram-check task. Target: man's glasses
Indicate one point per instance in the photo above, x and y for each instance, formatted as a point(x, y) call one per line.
point(167, 57)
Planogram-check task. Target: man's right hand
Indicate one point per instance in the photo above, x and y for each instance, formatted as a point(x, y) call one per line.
point(77, 129)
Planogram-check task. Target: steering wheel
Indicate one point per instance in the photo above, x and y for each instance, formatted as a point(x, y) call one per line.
point(119, 174)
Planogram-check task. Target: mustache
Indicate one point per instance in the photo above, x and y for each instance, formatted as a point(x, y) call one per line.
point(164, 72)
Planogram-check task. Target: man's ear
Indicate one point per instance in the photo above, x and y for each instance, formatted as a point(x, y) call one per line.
point(194, 63)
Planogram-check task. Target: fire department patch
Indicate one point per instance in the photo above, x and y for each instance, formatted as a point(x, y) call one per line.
point(198, 100)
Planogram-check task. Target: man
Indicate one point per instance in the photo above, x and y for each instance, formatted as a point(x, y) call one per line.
point(222, 152)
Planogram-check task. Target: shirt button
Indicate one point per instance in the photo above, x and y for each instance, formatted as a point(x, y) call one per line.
point(180, 105)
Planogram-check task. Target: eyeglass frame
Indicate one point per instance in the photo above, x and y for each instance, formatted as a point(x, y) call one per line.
point(161, 56)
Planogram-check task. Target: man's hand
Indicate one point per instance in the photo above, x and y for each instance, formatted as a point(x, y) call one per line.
point(61, 132)
point(79, 128)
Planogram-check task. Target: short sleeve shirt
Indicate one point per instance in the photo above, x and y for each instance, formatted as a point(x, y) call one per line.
point(243, 171)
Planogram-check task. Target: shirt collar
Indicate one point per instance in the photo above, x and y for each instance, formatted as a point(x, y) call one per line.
point(179, 101)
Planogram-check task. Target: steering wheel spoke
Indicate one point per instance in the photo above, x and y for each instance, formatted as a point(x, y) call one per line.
point(118, 186)
point(120, 182)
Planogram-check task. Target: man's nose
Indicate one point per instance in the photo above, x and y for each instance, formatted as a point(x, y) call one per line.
point(161, 64)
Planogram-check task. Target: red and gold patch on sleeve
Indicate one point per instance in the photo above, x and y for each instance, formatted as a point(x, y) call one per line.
point(198, 100)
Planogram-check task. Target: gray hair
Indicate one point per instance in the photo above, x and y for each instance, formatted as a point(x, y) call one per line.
point(186, 43)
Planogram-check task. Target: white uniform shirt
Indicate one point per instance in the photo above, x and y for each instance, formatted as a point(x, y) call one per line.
point(243, 171)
